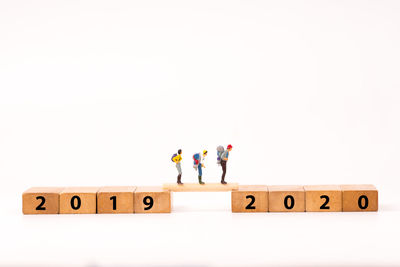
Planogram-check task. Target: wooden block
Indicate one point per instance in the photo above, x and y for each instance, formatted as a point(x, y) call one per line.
point(289, 198)
point(324, 198)
point(152, 199)
point(41, 200)
point(195, 187)
point(250, 198)
point(359, 198)
point(74, 200)
point(115, 199)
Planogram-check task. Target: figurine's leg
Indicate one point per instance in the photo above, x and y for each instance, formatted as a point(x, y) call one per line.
point(178, 167)
point(223, 165)
point(200, 174)
point(200, 180)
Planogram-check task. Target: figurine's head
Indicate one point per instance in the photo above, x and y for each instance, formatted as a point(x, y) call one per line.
point(180, 151)
point(229, 147)
point(205, 153)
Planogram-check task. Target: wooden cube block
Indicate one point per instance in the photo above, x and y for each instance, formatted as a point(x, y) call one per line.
point(359, 198)
point(152, 199)
point(250, 198)
point(324, 198)
point(41, 200)
point(286, 198)
point(115, 199)
point(78, 200)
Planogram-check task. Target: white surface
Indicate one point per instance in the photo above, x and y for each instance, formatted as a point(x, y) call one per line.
point(102, 93)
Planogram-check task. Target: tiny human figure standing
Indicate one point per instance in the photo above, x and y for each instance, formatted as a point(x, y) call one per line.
point(199, 165)
point(177, 158)
point(223, 160)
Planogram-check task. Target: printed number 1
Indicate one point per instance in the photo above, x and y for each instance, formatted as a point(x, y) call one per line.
point(114, 201)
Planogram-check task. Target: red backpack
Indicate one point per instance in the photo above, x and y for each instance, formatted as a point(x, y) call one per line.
point(196, 158)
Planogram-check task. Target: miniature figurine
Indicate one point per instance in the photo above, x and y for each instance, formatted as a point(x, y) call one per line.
point(177, 158)
point(198, 164)
point(222, 158)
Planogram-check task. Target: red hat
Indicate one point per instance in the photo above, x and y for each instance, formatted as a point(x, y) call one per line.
point(229, 147)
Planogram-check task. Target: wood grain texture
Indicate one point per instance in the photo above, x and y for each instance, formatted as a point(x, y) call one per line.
point(161, 199)
point(316, 196)
point(118, 197)
point(48, 196)
point(70, 196)
point(245, 194)
point(195, 187)
point(360, 197)
point(291, 195)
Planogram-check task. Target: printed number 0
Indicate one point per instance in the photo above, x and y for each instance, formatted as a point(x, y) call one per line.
point(40, 206)
point(148, 201)
point(250, 206)
point(78, 202)
point(363, 207)
point(324, 206)
point(289, 207)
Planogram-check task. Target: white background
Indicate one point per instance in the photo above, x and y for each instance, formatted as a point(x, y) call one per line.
point(104, 92)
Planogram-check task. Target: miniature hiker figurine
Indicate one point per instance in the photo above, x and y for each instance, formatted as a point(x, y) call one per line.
point(222, 159)
point(177, 158)
point(198, 165)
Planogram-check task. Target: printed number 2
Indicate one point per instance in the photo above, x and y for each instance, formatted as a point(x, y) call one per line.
point(40, 206)
point(324, 206)
point(148, 201)
point(250, 206)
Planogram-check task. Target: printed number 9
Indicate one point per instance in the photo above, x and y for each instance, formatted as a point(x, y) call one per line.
point(148, 201)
